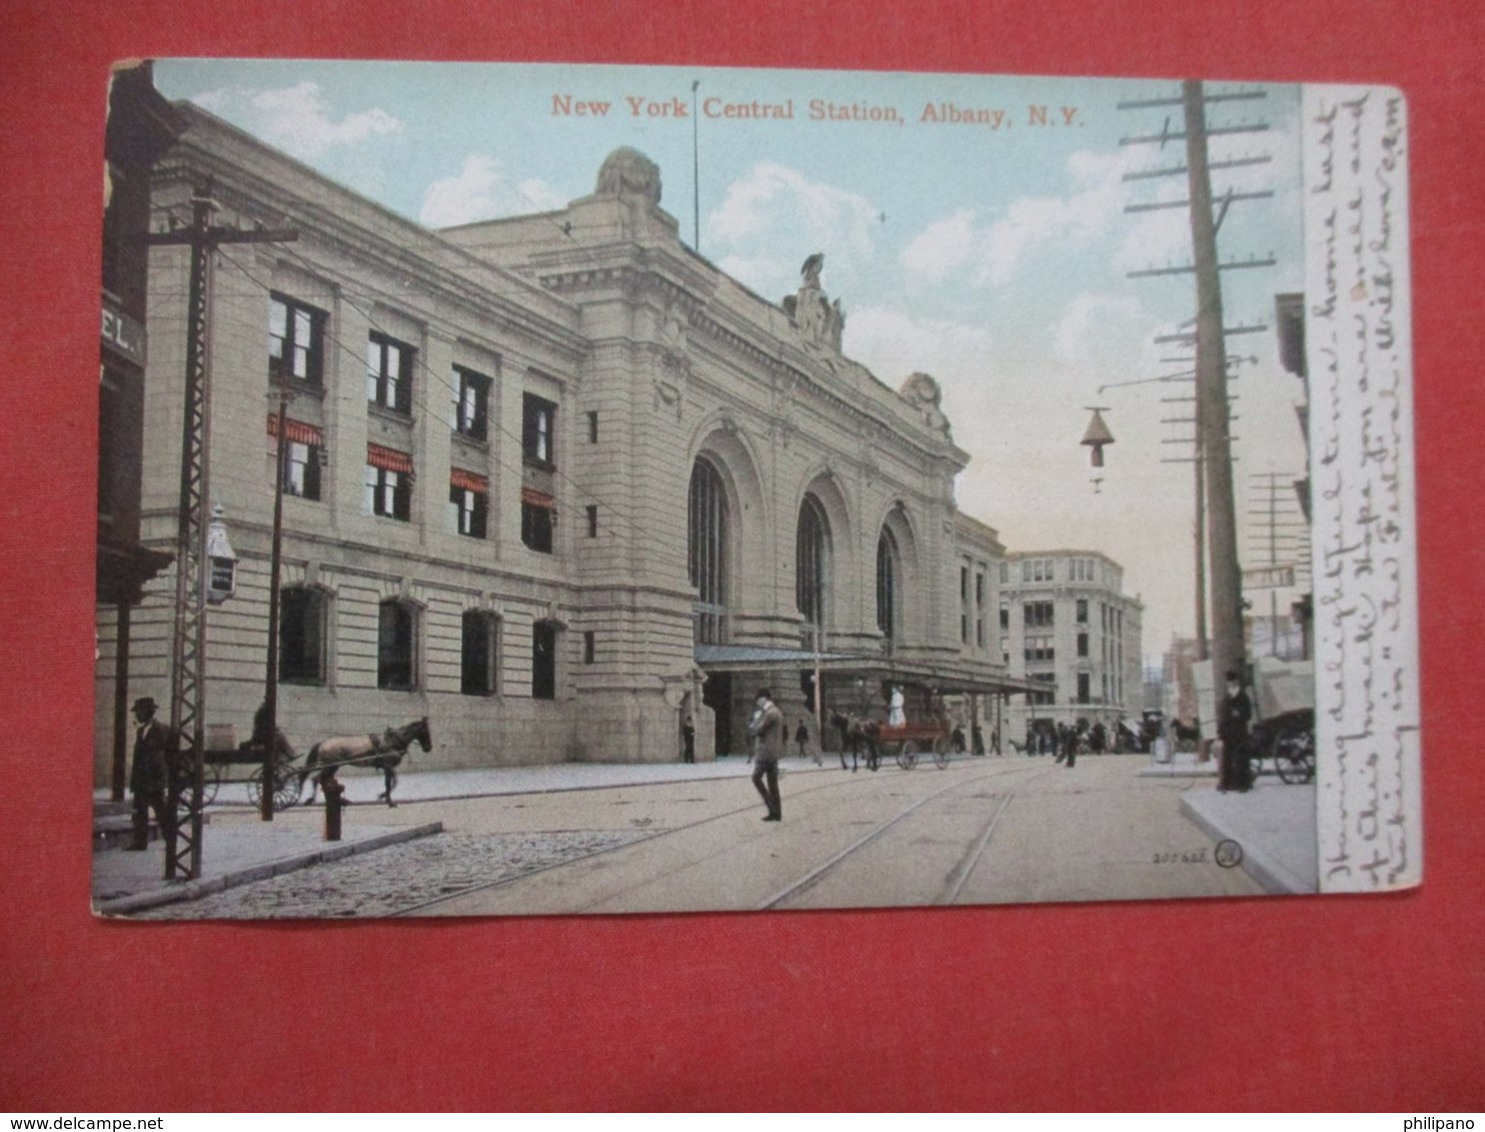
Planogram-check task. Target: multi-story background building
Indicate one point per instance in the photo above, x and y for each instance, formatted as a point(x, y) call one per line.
point(1067, 626)
point(553, 481)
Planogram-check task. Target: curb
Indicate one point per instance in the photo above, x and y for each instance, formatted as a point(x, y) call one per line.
point(1256, 862)
point(194, 890)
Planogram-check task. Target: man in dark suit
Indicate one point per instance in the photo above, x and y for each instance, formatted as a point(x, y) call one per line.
point(1234, 771)
point(149, 779)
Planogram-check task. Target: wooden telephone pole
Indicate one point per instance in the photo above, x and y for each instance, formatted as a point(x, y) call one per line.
point(192, 564)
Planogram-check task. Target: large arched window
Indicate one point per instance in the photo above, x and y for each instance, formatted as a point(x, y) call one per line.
point(707, 551)
point(812, 562)
point(888, 571)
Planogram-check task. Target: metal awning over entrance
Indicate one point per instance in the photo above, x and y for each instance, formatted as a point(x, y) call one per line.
point(948, 679)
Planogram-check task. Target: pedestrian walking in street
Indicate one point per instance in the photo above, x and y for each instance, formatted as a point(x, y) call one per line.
point(802, 739)
point(149, 778)
point(1233, 772)
point(688, 739)
point(766, 735)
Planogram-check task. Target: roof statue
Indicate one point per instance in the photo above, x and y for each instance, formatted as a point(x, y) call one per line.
point(817, 318)
point(923, 393)
point(627, 172)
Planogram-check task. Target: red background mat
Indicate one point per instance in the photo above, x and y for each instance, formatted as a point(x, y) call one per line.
point(1341, 1002)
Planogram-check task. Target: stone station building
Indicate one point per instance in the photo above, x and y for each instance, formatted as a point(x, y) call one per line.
point(553, 481)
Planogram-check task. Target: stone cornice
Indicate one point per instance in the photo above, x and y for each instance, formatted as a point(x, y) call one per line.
point(248, 189)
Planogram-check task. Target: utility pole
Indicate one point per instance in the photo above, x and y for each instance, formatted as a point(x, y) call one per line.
point(695, 171)
point(1211, 396)
point(192, 570)
point(1217, 529)
point(270, 696)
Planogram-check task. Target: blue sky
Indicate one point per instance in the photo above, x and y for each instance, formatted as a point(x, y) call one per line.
point(995, 259)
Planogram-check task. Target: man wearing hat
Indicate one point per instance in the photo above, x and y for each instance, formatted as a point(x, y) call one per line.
point(766, 730)
point(149, 779)
point(1234, 771)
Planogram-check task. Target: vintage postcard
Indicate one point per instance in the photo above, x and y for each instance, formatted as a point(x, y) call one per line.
point(552, 489)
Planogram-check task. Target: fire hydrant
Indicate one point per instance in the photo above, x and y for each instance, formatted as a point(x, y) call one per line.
point(334, 803)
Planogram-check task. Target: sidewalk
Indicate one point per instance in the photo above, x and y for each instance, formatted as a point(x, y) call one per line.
point(241, 852)
point(231, 854)
point(1274, 824)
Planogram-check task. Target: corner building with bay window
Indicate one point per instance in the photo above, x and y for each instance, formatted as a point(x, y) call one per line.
point(552, 481)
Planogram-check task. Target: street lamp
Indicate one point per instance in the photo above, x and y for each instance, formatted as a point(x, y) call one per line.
point(1098, 434)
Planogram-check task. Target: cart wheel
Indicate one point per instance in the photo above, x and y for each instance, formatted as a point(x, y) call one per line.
point(908, 758)
point(286, 787)
point(1294, 755)
point(211, 781)
point(941, 754)
point(255, 788)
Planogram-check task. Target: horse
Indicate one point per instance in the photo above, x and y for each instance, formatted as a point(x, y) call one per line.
point(384, 752)
point(854, 734)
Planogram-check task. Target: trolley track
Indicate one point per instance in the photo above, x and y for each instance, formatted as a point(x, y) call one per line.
point(957, 878)
point(960, 875)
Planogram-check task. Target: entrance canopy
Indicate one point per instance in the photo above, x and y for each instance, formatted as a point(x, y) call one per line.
point(946, 678)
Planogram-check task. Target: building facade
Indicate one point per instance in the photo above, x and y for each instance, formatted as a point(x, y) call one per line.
point(141, 128)
point(1067, 626)
point(555, 482)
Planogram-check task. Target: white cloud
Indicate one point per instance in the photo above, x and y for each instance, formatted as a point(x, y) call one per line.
point(942, 246)
point(480, 191)
point(996, 251)
point(1083, 334)
point(957, 355)
point(1086, 213)
point(775, 208)
point(297, 118)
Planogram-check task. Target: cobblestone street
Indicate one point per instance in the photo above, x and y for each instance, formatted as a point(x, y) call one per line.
point(398, 878)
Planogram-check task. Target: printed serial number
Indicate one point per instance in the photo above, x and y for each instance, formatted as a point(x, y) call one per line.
point(1190, 857)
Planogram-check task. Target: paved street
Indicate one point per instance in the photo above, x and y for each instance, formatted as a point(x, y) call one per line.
point(984, 831)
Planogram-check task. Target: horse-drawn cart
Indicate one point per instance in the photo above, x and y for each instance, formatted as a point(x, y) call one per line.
point(907, 742)
point(287, 779)
point(382, 752)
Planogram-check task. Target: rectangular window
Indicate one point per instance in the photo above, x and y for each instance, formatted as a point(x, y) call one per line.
point(1082, 644)
point(589, 646)
point(543, 661)
point(538, 419)
point(296, 341)
point(1082, 611)
point(471, 403)
point(302, 636)
point(469, 509)
point(592, 520)
point(1005, 616)
point(1005, 573)
point(396, 646)
point(964, 584)
point(593, 428)
point(964, 628)
point(979, 588)
point(388, 493)
point(302, 470)
point(979, 632)
point(1038, 614)
point(304, 456)
point(1085, 695)
point(538, 517)
point(389, 373)
point(480, 641)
